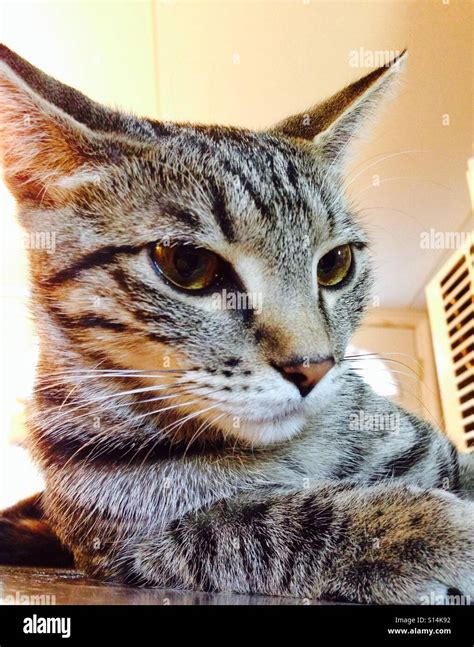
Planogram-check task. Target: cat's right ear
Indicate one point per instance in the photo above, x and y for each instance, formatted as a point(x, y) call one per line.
point(52, 137)
point(42, 147)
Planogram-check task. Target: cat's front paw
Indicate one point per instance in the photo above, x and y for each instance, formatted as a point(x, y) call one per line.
point(437, 554)
point(411, 547)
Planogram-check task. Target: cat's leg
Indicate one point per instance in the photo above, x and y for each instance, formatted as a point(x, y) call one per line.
point(375, 545)
point(26, 538)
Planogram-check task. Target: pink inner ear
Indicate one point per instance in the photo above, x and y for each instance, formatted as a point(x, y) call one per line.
point(36, 148)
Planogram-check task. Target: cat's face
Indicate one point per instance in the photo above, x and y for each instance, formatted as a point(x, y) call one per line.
point(269, 211)
point(213, 256)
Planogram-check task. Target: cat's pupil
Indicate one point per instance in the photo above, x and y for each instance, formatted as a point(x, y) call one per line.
point(330, 260)
point(189, 262)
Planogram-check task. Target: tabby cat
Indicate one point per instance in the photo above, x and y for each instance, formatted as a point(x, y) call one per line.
point(187, 441)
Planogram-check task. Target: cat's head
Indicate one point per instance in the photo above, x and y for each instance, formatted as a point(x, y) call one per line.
point(226, 260)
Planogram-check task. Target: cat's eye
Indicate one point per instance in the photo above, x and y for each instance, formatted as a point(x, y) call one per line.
point(186, 267)
point(334, 266)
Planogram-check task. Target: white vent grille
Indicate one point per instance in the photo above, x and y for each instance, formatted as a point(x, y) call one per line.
point(450, 297)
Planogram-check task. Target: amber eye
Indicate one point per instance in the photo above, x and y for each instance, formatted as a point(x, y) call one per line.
point(187, 267)
point(334, 266)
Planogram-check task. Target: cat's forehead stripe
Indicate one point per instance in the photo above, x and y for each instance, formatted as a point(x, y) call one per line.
point(275, 175)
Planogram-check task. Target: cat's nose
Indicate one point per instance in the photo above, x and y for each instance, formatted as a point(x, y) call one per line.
point(306, 375)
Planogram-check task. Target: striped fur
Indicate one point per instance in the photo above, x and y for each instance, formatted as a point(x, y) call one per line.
point(174, 453)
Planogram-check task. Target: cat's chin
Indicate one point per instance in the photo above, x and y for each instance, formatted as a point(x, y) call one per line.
point(267, 432)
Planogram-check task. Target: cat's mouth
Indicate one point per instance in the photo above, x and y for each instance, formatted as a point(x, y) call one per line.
point(278, 417)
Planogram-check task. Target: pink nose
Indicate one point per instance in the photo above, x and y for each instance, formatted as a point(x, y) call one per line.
point(305, 376)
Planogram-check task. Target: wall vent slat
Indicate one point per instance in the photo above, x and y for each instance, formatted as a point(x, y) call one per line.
point(450, 298)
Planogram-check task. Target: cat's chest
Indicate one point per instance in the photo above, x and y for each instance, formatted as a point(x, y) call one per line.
point(152, 495)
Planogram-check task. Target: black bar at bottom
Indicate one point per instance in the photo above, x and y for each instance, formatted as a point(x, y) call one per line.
point(385, 624)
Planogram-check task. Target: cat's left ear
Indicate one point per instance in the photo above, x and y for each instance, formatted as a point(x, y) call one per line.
point(332, 123)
